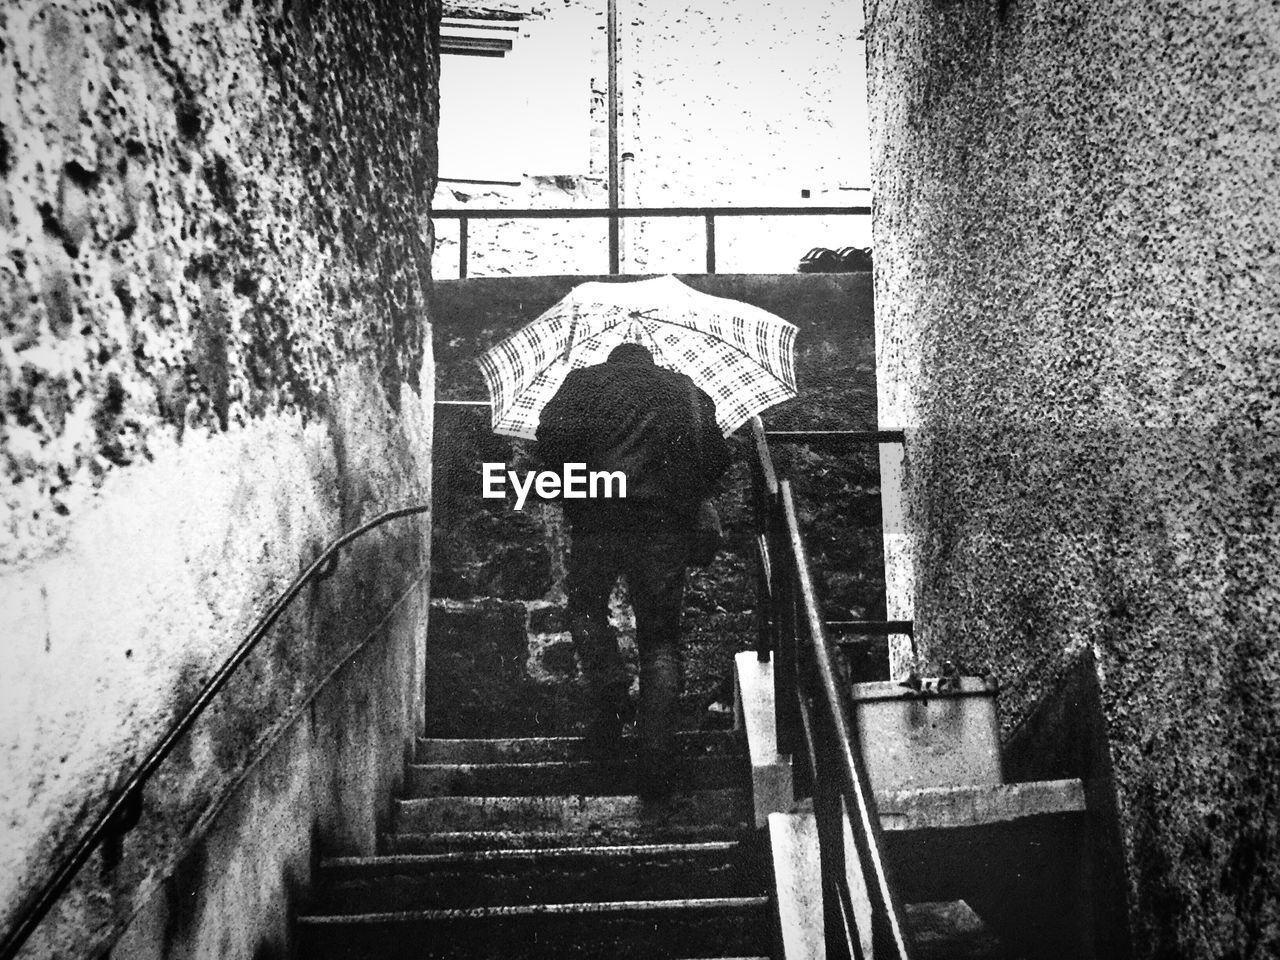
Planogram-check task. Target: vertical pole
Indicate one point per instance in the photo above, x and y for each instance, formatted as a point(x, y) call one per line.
point(613, 137)
point(711, 243)
point(786, 705)
point(764, 602)
point(462, 248)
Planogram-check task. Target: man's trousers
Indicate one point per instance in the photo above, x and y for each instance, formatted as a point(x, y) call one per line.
point(653, 560)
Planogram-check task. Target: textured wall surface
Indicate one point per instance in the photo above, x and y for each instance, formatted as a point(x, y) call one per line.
point(215, 359)
point(322, 788)
point(1076, 258)
point(723, 102)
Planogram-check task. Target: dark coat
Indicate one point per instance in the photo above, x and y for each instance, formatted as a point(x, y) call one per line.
point(655, 425)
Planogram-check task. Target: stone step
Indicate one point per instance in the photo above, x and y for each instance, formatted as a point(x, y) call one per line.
point(950, 930)
point(461, 841)
point(570, 813)
point(543, 778)
point(527, 876)
point(978, 805)
point(565, 749)
point(647, 929)
point(1013, 852)
point(951, 843)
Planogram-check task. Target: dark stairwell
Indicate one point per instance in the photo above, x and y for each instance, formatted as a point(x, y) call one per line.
point(506, 841)
point(515, 845)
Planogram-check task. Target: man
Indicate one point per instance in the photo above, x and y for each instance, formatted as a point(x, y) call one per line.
point(659, 429)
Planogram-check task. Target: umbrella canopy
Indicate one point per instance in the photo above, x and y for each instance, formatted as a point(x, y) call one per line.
point(742, 356)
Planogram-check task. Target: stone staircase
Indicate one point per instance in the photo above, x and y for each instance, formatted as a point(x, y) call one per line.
point(525, 847)
point(519, 848)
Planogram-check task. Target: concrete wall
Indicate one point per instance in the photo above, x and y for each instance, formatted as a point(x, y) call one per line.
point(722, 102)
point(215, 359)
point(1075, 222)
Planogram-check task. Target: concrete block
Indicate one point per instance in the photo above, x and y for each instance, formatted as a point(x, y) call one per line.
point(772, 789)
point(797, 871)
point(942, 808)
point(928, 739)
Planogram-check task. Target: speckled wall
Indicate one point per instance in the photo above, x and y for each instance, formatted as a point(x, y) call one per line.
point(214, 264)
point(1075, 230)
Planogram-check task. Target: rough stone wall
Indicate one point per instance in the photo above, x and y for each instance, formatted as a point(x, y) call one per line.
point(723, 102)
point(1075, 222)
point(215, 359)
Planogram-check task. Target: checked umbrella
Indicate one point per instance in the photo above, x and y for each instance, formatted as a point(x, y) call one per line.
point(742, 356)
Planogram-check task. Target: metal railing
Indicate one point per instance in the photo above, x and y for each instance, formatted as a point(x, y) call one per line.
point(766, 485)
point(122, 814)
point(815, 726)
point(613, 216)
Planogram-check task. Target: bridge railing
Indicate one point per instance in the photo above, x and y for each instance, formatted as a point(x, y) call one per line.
point(615, 216)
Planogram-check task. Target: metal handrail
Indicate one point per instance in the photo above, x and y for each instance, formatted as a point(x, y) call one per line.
point(813, 719)
point(586, 213)
point(465, 215)
point(873, 628)
point(125, 809)
point(822, 690)
point(765, 488)
point(837, 436)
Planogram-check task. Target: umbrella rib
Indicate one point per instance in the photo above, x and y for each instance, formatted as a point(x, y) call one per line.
point(656, 349)
point(573, 328)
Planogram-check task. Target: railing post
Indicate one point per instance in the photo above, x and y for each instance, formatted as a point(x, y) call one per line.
point(615, 96)
point(764, 561)
point(614, 246)
point(786, 707)
point(462, 248)
point(837, 898)
point(711, 243)
point(765, 613)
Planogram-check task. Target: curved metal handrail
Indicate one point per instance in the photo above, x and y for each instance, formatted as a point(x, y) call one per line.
point(122, 814)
